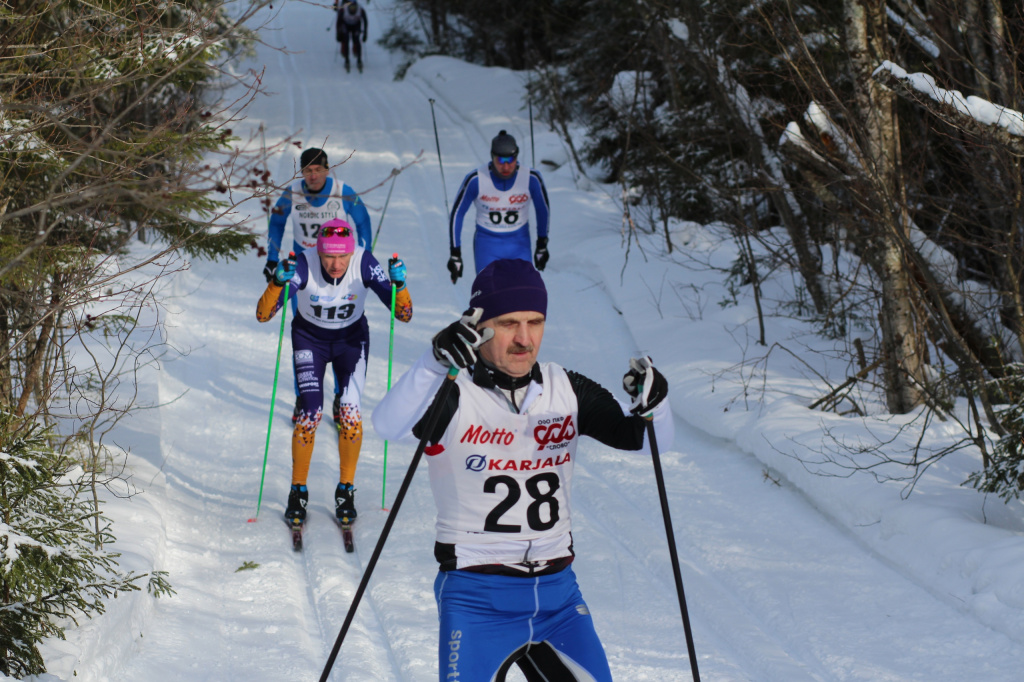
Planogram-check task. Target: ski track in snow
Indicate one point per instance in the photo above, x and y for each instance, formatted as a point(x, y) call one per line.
point(776, 591)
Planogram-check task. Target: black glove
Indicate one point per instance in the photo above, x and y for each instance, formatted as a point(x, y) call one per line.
point(456, 344)
point(645, 385)
point(268, 269)
point(364, 37)
point(541, 255)
point(455, 263)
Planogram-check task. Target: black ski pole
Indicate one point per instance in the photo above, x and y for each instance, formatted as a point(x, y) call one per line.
point(533, 152)
point(437, 141)
point(439, 400)
point(394, 176)
point(663, 496)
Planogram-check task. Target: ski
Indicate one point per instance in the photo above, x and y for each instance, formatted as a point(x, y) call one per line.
point(346, 534)
point(296, 531)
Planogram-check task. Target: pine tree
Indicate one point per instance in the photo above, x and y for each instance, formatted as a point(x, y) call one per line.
point(110, 134)
point(53, 562)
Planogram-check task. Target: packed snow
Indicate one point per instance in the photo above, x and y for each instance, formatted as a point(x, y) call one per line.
point(796, 565)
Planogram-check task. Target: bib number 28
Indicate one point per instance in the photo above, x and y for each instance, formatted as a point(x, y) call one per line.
point(541, 488)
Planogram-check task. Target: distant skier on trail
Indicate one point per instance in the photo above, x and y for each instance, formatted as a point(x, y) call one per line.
point(351, 22)
point(500, 459)
point(502, 193)
point(305, 205)
point(330, 285)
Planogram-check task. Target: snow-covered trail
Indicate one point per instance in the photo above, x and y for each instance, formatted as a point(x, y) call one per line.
point(776, 591)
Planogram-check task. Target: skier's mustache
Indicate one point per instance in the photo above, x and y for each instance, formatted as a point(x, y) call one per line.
point(516, 348)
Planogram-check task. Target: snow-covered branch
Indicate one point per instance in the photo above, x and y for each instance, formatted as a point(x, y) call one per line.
point(971, 114)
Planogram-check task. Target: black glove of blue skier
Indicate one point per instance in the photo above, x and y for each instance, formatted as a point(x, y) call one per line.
point(455, 263)
point(541, 255)
point(457, 343)
point(645, 385)
point(268, 269)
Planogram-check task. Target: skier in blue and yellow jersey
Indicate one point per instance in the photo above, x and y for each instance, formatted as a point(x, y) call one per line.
point(310, 202)
point(502, 193)
point(331, 284)
point(305, 206)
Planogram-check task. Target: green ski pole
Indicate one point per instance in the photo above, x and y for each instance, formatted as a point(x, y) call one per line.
point(391, 354)
point(273, 398)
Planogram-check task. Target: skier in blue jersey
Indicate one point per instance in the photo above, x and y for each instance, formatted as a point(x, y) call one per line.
point(307, 204)
point(502, 193)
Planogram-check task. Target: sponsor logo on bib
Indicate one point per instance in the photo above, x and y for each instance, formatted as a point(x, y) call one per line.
point(499, 464)
point(555, 433)
point(476, 435)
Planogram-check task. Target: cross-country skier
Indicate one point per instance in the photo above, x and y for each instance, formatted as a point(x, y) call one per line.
point(305, 205)
point(351, 22)
point(330, 285)
point(502, 193)
point(500, 462)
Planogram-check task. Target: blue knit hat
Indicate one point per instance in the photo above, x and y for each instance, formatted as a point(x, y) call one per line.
point(508, 286)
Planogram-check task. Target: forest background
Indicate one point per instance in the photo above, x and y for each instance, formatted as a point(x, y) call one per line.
point(870, 151)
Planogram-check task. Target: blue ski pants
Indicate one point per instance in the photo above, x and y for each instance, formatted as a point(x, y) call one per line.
point(491, 622)
point(492, 246)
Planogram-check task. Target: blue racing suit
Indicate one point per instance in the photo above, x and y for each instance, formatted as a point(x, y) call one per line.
point(502, 213)
point(351, 204)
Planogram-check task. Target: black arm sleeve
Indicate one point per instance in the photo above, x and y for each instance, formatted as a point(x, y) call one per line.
point(601, 416)
point(443, 420)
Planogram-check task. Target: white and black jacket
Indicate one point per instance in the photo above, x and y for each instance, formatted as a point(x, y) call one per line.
point(501, 457)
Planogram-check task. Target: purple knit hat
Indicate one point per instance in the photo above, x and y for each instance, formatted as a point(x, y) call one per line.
point(508, 286)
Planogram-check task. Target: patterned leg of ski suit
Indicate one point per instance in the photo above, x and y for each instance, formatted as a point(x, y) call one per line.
point(491, 622)
point(310, 357)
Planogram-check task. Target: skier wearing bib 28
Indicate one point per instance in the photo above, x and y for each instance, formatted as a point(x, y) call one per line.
point(502, 193)
point(500, 460)
point(331, 284)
